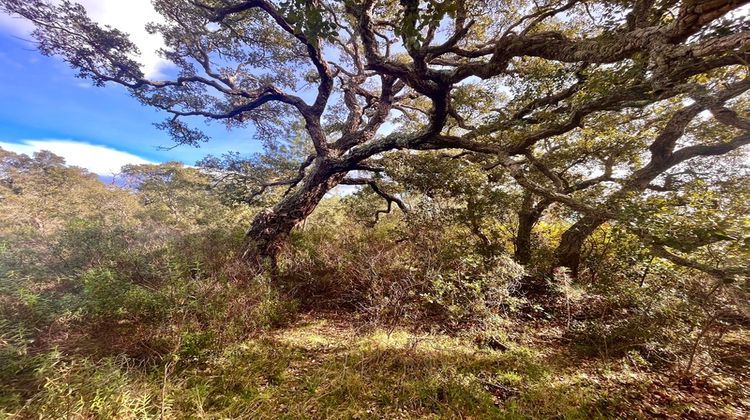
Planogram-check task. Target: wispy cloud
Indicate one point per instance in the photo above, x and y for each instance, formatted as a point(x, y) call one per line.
point(128, 16)
point(98, 159)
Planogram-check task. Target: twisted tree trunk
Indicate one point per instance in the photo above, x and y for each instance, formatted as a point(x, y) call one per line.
point(528, 216)
point(271, 227)
point(568, 252)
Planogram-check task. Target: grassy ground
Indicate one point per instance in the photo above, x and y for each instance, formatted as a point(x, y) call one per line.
point(326, 366)
point(329, 368)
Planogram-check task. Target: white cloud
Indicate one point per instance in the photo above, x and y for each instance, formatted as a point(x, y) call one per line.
point(129, 16)
point(98, 159)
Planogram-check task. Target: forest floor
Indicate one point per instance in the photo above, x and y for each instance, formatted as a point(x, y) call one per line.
point(332, 366)
point(329, 366)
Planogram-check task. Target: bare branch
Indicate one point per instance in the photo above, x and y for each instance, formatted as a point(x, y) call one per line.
point(389, 198)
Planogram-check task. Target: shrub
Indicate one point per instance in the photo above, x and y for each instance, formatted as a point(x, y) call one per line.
point(106, 296)
point(472, 289)
point(388, 280)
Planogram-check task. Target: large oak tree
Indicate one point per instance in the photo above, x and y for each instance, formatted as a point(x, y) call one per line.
point(500, 80)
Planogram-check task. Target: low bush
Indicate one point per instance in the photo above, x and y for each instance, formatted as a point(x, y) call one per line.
point(388, 280)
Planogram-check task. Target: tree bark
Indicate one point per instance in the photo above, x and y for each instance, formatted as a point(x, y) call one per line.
point(271, 227)
point(528, 216)
point(568, 252)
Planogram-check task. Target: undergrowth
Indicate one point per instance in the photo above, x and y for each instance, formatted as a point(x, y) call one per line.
point(317, 370)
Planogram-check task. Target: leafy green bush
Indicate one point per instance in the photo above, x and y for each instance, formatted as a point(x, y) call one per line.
point(473, 288)
point(105, 295)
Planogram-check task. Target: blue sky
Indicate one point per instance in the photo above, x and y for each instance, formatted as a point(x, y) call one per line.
point(43, 104)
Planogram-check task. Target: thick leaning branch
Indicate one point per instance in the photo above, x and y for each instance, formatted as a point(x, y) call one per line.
point(325, 86)
point(725, 274)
